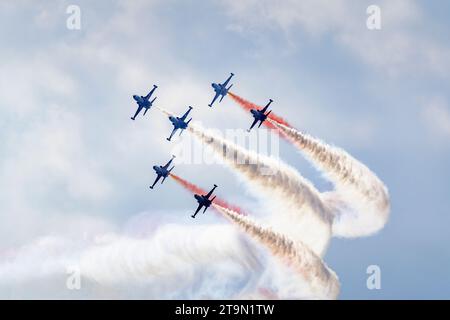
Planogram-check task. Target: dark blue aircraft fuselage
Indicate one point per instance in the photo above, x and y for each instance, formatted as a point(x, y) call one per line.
point(258, 115)
point(161, 171)
point(203, 201)
point(220, 89)
point(178, 123)
point(141, 101)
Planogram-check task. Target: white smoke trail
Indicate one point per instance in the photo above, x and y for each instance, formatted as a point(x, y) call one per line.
point(301, 215)
point(360, 204)
point(322, 282)
point(44, 257)
point(167, 113)
point(177, 261)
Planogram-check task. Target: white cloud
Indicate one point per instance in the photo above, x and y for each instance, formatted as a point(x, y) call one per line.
point(316, 17)
point(398, 48)
point(26, 85)
point(436, 115)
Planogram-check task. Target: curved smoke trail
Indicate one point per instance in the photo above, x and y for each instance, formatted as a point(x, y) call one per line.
point(174, 260)
point(360, 203)
point(358, 206)
point(316, 278)
point(301, 214)
point(322, 281)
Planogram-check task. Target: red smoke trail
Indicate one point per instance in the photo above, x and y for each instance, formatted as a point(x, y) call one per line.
point(268, 294)
point(195, 189)
point(247, 105)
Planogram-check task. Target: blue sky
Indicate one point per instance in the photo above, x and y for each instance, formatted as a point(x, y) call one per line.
point(70, 163)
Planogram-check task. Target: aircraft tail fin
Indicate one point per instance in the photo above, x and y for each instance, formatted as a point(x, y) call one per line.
point(145, 111)
point(260, 123)
point(189, 121)
point(153, 100)
point(171, 169)
point(229, 87)
point(163, 179)
point(205, 209)
point(213, 199)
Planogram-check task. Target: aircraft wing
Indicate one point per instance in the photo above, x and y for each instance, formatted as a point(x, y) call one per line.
point(168, 164)
point(156, 181)
point(210, 193)
point(150, 93)
point(214, 99)
point(186, 114)
point(173, 132)
point(253, 124)
point(137, 111)
point(263, 110)
point(198, 208)
point(228, 80)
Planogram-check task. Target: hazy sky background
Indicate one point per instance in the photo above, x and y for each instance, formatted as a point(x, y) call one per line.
point(71, 160)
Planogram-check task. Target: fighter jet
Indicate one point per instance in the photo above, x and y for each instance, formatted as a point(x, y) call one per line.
point(144, 102)
point(204, 201)
point(179, 123)
point(162, 171)
point(260, 115)
point(221, 89)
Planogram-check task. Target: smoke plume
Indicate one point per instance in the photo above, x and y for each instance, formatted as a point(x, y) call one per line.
point(322, 282)
point(301, 213)
point(360, 203)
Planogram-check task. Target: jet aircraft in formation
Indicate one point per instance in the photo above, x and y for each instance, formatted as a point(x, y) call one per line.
point(221, 89)
point(180, 123)
point(204, 201)
point(144, 102)
point(260, 115)
point(162, 172)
